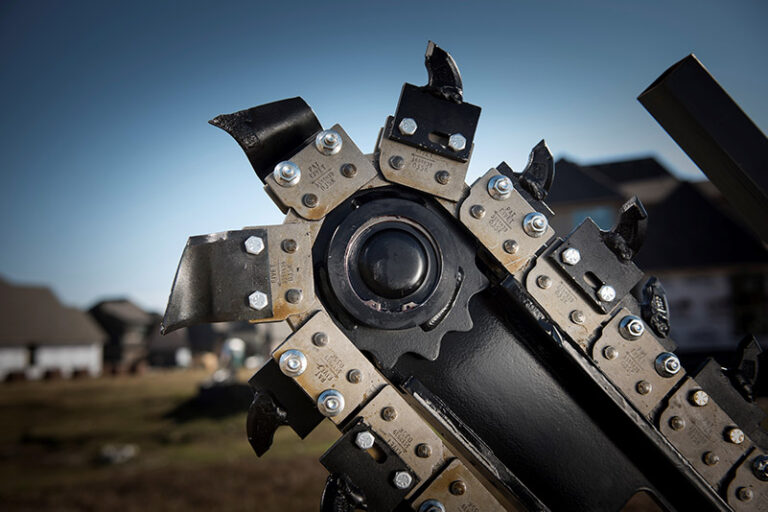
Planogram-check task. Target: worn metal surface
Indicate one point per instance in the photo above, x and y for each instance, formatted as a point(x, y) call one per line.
point(633, 364)
point(468, 496)
point(216, 277)
point(746, 493)
point(704, 431)
point(405, 432)
point(563, 303)
point(420, 169)
point(501, 221)
point(328, 365)
point(322, 176)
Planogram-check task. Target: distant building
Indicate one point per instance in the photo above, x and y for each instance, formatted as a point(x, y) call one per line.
point(40, 337)
point(715, 271)
point(127, 326)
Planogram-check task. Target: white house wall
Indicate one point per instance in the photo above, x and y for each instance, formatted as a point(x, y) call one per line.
point(64, 358)
point(12, 359)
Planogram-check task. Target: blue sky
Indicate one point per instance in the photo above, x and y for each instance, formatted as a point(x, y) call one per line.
point(108, 162)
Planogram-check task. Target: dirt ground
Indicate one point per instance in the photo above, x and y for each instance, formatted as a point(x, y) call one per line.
point(52, 435)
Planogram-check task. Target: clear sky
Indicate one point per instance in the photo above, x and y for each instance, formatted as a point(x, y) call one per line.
point(108, 163)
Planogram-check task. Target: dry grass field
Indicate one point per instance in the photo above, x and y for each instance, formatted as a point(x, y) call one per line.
point(52, 435)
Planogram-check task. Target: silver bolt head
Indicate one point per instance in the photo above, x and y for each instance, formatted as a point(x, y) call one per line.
point(667, 365)
point(330, 403)
point(432, 506)
point(293, 363)
point(535, 224)
point(606, 293)
point(699, 398)
point(254, 245)
point(760, 467)
point(457, 142)
point(610, 352)
point(578, 317)
point(328, 142)
point(407, 126)
point(631, 327)
point(402, 480)
point(735, 435)
point(500, 187)
point(570, 256)
point(258, 300)
point(364, 440)
point(287, 174)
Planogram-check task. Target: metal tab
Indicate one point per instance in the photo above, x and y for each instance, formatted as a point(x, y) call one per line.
point(330, 359)
point(456, 488)
point(700, 433)
point(390, 416)
point(631, 364)
point(563, 304)
point(326, 179)
point(422, 170)
point(242, 275)
point(747, 493)
point(498, 224)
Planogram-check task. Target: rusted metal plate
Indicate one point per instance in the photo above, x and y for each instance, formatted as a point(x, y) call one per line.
point(746, 493)
point(322, 177)
point(563, 303)
point(699, 433)
point(501, 221)
point(457, 489)
point(422, 170)
point(633, 364)
point(405, 432)
point(330, 362)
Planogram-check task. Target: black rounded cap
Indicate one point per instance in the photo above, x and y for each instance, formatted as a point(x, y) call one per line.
point(392, 263)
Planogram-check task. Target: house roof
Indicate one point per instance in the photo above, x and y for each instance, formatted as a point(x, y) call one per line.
point(574, 183)
point(688, 230)
point(33, 315)
point(640, 169)
point(123, 310)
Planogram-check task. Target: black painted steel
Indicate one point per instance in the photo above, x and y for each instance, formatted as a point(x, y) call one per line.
point(214, 279)
point(417, 322)
point(711, 128)
point(547, 421)
point(271, 133)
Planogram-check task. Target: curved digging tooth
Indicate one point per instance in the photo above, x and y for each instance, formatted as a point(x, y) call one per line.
point(627, 236)
point(444, 75)
point(539, 174)
point(270, 133)
point(261, 274)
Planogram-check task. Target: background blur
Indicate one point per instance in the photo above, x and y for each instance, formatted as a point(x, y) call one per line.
point(108, 165)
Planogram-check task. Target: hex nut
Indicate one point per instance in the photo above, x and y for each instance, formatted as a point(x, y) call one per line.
point(457, 142)
point(328, 142)
point(254, 245)
point(606, 293)
point(293, 362)
point(402, 480)
point(407, 126)
point(364, 440)
point(535, 224)
point(631, 327)
point(570, 256)
point(287, 174)
point(258, 300)
point(500, 187)
point(667, 365)
point(432, 506)
point(330, 403)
